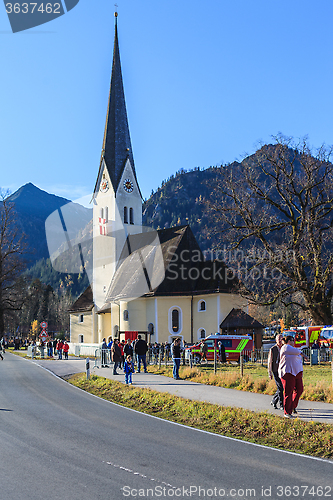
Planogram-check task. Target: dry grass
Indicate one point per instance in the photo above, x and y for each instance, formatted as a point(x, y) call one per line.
point(317, 379)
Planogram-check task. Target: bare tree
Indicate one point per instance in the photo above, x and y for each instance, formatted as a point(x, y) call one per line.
point(12, 246)
point(277, 207)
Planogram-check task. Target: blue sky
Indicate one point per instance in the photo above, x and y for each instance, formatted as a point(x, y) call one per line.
point(204, 82)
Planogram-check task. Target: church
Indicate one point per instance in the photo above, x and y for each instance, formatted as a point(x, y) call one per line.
point(153, 283)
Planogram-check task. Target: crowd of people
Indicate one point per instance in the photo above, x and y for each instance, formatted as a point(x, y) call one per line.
point(285, 365)
point(56, 347)
point(122, 355)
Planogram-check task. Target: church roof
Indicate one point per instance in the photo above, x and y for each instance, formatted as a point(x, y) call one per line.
point(84, 303)
point(117, 147)
point(237, 319)
point(179, 268)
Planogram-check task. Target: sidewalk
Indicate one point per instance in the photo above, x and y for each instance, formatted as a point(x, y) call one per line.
point(307, 410)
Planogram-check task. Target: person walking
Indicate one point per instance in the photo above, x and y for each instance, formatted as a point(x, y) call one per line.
point(141, 349)
point(176, 357)
point(128, 369)
point(273, 367)
point(291, 374)
point(65, 349)
point(59, 348)
point(50, 349)
point(55, 346)
point(104, 353)
point(203, 351)
point(116, 356)
point(222, 356)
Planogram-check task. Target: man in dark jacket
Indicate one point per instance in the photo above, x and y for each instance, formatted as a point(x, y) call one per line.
point(128, 349)
point(104, 349)
point(116, 355)
point(273, 365)
point(141, 349)
point(176, 350)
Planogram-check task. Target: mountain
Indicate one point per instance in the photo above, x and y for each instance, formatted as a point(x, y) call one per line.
point(32, 207)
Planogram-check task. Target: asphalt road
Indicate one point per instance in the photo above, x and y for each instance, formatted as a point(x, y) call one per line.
point(58, 442)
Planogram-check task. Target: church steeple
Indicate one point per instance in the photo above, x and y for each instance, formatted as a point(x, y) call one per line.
point(117, 147)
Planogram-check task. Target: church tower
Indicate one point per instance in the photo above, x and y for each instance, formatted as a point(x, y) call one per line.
point(117, 200)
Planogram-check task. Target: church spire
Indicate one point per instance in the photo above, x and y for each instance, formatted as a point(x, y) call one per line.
point(117, 147)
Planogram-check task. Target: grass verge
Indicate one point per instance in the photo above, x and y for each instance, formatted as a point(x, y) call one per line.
point(310, 438)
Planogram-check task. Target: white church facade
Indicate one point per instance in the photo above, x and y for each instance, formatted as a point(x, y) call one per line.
point(155, 283)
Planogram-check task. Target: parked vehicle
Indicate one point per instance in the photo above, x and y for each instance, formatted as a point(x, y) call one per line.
point(305, 336)
point(326, 337)
point(233, 344)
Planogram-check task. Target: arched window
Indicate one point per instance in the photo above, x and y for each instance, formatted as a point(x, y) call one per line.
point(151, 328)
point(81, 339)
point(202, 333)
point(125, 215)
point(125, 315)
point(202, 305)
point(131, 216)
point(106, 214)
point(175, 320)
point(101, 213)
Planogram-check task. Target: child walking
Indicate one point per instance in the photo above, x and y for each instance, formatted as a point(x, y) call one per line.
point(128, 369)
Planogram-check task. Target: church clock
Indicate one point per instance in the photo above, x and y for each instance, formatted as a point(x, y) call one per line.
point(104, 186)
point(128, 185)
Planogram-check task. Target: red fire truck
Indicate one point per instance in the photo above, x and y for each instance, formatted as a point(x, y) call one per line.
point(233, 344)
point(305, 336)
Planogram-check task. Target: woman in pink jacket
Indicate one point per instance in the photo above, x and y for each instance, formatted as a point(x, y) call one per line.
point(291, 375)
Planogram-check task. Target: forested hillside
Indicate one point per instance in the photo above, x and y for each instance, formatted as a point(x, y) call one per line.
point(182, 200)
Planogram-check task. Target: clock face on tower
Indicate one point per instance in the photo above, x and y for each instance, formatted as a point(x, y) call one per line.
point(128, 185)
point(104, 186)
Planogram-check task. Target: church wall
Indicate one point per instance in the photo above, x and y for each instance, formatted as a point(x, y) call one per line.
point(151, 304)
point(104, 326)
point(208, 316)
point(228, 301)
point(165, 305)
point(114, 320)
point(81, 324)
point(136, 315)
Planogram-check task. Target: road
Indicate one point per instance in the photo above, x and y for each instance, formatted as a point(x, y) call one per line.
point(60, 443)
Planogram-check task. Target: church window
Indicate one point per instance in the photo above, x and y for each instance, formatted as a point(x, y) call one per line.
point(151, 328)
point(101, 213)
point(125, 215)
point(106, 215)
point(202, 305)
point(81, 339)
point(126, 315)
point(202, 333)
point(131, 216)
point(175, 320)
point(81, 318)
